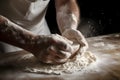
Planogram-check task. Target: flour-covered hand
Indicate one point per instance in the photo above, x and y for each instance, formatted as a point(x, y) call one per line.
point(77, 38)
point(52, 49)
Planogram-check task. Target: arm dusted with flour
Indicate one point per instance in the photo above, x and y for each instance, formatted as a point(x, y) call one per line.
point(68, 16)
point(15, 35)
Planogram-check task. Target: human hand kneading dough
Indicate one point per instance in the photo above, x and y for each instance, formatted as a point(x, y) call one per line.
point(53, 49)
point(77, 38)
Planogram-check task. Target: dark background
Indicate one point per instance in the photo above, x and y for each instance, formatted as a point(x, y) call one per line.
point(98, 17)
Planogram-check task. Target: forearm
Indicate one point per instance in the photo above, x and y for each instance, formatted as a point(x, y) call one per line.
point(15, 35)
point(68, 14)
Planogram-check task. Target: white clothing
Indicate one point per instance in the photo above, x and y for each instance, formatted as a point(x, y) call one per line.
point(29, 14)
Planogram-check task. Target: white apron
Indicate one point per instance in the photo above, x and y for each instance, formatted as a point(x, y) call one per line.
point(29, 14)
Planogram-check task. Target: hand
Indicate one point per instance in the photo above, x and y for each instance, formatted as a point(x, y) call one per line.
point(77, 38)
point(53, 49)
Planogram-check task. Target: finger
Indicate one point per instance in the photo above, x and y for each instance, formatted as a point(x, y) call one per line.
point(56, 60)
point(64, 46)
point(47, 59)
point(50, 59)
point(60, 61)
point(62, 42)
point(53, 51)
point(61, 38)
point(75, 52)
point(59, 53)
point(66, 54)
point(59, 44)
point(80, 38)
point(76, 48)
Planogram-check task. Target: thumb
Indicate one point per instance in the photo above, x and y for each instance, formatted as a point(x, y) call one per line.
point(75, 51)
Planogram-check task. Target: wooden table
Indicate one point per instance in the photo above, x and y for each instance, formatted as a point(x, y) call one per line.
point(107, 67)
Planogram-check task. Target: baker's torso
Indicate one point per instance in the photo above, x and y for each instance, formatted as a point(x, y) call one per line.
point(29, 14)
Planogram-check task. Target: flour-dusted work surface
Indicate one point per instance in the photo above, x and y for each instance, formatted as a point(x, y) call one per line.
point(106, 66)
point(28, 63)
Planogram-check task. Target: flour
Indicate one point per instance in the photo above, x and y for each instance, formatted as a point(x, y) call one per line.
point(98, 44)
point(76, 64)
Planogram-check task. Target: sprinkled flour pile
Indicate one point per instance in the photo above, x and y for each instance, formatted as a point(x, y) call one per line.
point(76, 64)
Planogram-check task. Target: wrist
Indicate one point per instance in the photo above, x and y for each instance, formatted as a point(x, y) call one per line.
point(29, 42)
point(36, 43)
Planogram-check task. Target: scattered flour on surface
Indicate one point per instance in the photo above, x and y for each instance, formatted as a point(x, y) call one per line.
point(76, 64)
point(98, 44)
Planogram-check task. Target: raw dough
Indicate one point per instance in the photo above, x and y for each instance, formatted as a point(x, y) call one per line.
point(76, 64)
